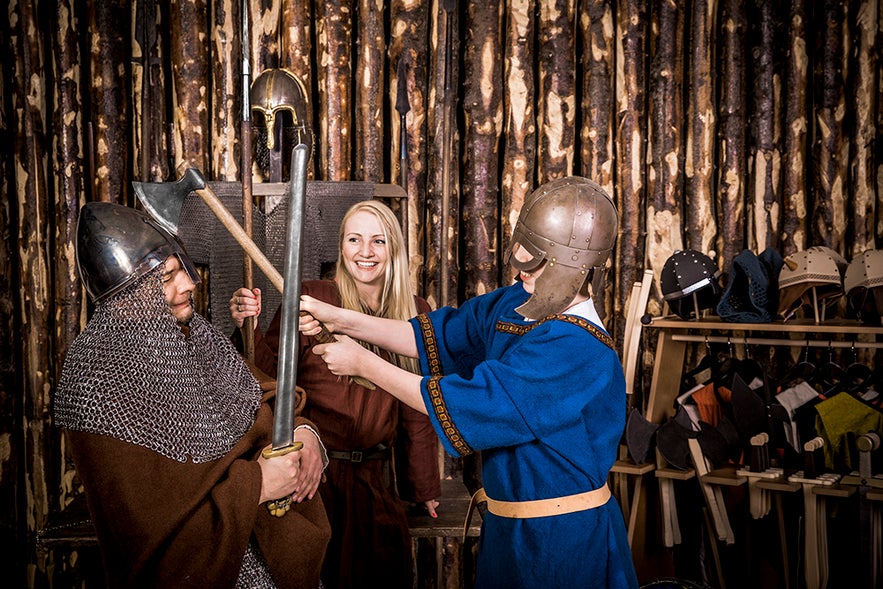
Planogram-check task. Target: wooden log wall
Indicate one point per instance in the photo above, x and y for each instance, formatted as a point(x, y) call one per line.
point(716, 125)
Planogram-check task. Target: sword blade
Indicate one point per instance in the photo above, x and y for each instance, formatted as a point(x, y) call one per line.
point(283, 419)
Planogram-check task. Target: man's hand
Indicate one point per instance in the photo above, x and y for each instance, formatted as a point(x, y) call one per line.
point(279, 476)
point(345, 357)
point(313, 313)
point(311, 466)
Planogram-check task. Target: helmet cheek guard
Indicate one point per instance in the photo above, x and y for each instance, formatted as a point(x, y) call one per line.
point(118, 244)
point(572, 225)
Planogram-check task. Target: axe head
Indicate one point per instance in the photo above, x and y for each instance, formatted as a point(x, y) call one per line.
point(164, 200)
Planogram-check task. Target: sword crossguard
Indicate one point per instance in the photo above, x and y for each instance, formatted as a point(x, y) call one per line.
point(279, 507)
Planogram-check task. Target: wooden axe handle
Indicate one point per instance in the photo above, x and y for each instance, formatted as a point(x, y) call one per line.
point(254, 252)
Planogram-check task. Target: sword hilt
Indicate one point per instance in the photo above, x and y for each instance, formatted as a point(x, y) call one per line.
point(279, 507)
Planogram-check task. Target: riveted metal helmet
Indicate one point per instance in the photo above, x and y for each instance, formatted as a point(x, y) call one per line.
point(863, 285)
point(809, 277)
point(571, 224)
point(689, 281)
point(117, 244)
point(278, 95)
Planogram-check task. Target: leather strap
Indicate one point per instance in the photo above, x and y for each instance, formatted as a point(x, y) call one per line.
point(539, 507)
point(377, 452)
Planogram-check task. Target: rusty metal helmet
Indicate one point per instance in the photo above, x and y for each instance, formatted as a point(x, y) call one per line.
point(572, 225)
point(809, 277)
point(117, 244)
point(863, 285)
point(277, 94)
point(689, 282)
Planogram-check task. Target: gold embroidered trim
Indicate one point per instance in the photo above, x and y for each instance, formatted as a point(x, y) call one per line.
point(431, 343)
point(444, 418)
point(521, 329)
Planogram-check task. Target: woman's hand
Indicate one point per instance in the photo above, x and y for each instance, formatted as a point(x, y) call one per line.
point(314, 313)
point(345, 357)
point(245, 303)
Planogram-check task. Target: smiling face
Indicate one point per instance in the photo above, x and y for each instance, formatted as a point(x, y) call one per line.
point(178, 289)
point(528, 279)
point(364, 249)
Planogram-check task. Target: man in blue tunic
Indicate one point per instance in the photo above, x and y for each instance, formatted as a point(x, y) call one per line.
point(527, 375)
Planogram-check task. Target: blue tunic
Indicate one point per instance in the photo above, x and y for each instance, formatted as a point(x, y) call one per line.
point(545, 403)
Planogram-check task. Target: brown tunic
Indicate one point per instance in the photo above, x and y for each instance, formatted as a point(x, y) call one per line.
point(164, 523)
point(370, 541)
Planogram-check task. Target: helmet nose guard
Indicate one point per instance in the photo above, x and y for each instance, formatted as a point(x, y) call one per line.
point(117, 244)
point(572, 224)
point(278, 92)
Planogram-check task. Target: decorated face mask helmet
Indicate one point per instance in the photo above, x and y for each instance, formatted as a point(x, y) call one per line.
point(812, 277)
point(571, 224)
point(281, 114)
point(863, 285)
point(689, 282)
point(117, 244)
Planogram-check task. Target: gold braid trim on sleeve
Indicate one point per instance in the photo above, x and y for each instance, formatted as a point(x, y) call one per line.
point(444, 418)
point(431, 344)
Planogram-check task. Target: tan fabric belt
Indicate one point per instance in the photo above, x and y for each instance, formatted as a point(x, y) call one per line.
point(539, 507)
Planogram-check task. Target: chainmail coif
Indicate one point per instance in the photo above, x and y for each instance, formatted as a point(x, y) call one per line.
point(132, 374)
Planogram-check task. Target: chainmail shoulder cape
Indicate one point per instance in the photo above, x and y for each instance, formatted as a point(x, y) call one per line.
point(134, 375)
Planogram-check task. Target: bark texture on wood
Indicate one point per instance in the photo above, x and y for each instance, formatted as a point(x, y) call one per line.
point(519, 160)
point(483, 121)
point(189, 55)
point(265, 16)
point(864, 98)
point(631, 25)
point(370, 83)
point(443, 161)
point(733, 120)
point(764, 188)
point(701, 126)
point(597, 133)
point(226, 89)
point(794, 171)
point(155, 135)
point(109, 27)
point(334, 31)
point(665, 182)
point(35, 293)
point(296, 41)
point(411, 26)
point(832, 145)
point(556, 104)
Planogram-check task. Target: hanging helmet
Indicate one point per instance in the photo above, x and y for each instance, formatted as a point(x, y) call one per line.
point(864, 277)
point(689, 282)
point(277, 95)
point(117, 244)
point(808, 277)
point(571, 224)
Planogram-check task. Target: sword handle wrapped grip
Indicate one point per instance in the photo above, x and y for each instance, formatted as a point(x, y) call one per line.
point(325, 337)
point(279, 507)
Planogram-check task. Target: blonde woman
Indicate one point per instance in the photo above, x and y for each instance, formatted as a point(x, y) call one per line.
point(370, 542)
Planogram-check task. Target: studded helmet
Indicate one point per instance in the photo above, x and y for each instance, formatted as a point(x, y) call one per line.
point(280, 97)
point(571, 224)
point(117, 244)
point(689, 282)
point(863, 285)
point(809, 277)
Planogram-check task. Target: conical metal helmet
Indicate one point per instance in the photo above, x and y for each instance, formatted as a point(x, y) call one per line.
point(117, 244)
point(572, 224)
point(275, 93)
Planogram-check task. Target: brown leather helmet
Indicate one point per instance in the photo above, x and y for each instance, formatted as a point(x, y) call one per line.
point(278, 92)
point(811, 278)
point(572, 225)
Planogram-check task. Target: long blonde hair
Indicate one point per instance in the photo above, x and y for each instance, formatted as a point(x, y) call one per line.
point(397, 297)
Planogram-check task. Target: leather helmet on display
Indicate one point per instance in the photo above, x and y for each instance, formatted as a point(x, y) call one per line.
point(810, 277)
point(863, 285)
point(275, 95)
point(117, 244)
point(571, 224)
point(689, 282)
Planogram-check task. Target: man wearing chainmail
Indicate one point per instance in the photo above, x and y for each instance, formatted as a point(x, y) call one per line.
point(167, 423)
